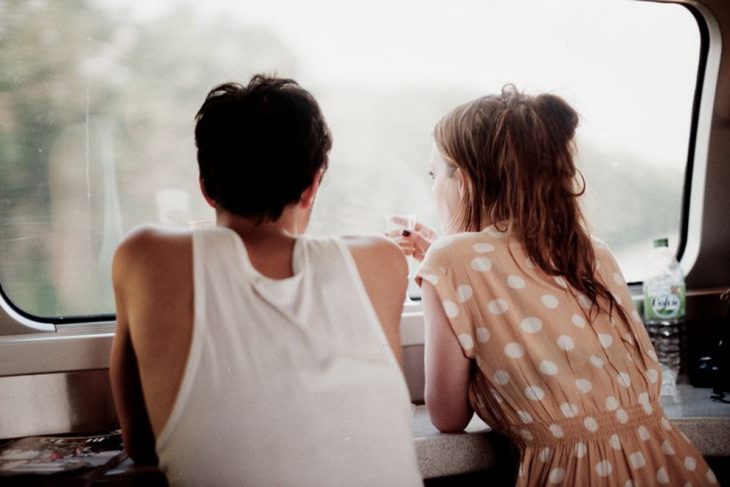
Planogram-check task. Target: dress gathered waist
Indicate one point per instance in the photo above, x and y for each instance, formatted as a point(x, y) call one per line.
point(638, 420)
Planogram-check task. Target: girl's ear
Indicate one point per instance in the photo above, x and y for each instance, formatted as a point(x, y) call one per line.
point(310, 194)
point(461, 181)
point(208, 199)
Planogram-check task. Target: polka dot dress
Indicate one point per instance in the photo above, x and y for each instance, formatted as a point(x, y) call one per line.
point(578, 396)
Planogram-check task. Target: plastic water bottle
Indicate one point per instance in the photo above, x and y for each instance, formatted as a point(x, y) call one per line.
point(664, 310)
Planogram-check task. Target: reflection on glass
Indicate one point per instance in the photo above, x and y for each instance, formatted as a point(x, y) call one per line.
point(97, 100)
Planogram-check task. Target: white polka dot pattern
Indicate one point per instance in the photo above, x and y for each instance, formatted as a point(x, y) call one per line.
point(578, 321)
point(482, 334)
point(667, 448)
point(482, 247)
point(584, 301)
point(481, 264)
point(544, 454)
point(525, 417)
point(652, 376)
point(604, 468)
point(596, 361)
point(556, 475)
point(550, 301)
point(614, 441)
point(565, 343)
point(515, 282)
point(534, 393)
point(501, 377)
point(556, 430)
point(531, 325)
point(560, 368)
point(711, 477)
point(624, 379)
point(637, 460)
point(611, 403)
point(583, 385)
point(464, 292)
point(662, 476)
point(549, 368)
point(497, 306)
point(451, 309)
point(466, 341)
point(569, 410)
point(514, 350)
point(526, 435)
point(591, 424)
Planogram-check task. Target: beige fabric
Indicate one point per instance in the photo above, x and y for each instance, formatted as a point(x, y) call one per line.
point(579, 398)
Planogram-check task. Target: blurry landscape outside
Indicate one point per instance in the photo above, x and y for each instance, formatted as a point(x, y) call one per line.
point(97, 99)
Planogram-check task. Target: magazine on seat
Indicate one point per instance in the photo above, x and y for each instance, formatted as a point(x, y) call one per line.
point(44, 455)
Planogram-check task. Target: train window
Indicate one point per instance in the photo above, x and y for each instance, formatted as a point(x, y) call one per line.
point(97, 99)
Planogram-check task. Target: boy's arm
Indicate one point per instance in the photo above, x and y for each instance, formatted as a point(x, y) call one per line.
point(384, 273)
point(139, 439)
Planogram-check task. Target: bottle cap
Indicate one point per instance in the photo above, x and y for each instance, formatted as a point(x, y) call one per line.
point(661, 242)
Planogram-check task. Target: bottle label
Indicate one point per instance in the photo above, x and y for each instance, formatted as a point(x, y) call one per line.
point(665, 306)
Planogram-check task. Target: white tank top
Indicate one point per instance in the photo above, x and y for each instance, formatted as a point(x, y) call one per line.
point(288, 382)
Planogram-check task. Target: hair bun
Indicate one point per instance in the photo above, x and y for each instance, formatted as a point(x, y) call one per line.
point(560, 117)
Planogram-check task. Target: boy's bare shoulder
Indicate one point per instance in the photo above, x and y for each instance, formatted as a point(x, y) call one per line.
point(148, 247)
point(368, 241)
point(371, 249)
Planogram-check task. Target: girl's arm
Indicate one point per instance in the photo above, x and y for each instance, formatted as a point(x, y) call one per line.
point(447, 369)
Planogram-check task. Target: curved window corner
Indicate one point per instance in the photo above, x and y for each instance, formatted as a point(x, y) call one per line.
point(14, 323)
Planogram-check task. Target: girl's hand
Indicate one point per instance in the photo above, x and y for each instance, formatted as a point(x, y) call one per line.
point(414, 242)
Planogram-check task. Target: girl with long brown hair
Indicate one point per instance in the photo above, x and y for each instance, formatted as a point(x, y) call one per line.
point(529, 322)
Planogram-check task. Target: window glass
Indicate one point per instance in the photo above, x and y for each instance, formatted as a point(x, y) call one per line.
point(97, 100)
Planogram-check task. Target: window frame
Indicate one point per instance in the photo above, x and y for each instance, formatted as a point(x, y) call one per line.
point(708, 68)
point(30, 344)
